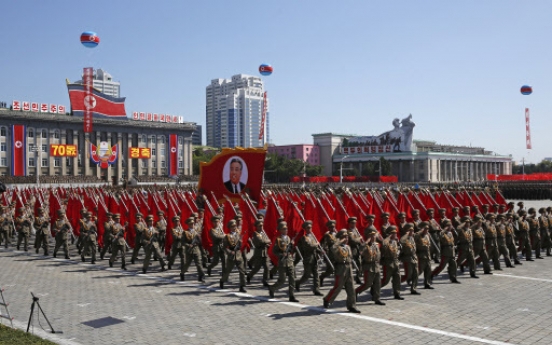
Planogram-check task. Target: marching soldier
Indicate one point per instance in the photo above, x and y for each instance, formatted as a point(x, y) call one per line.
point(447, 253)
point(62, 228)
point(107, 236)
point(443, 216)
point(423, 248)
point(309, 247)
point(161, 227)
point(176, 247)
point(523, 227)
point(328, 241)
point(435, 233)
point(150, 242)
point(501, 240)
point(455, 219)
point(217, 236)
point(491, 244)
point(343, 273)
point(465, 246)
point(409, 258)
point(82, 230)
point(510, 238)
point(232, 244)
point(119, 243)
point(479, 244)
point(355, 242)
point(534, 233)
point(139, 228)
point(416, 218)
point(6, 226)
point(260, 254)
point(191, 241)
point(90, 243)
point(545, 230)
point(402, 224)
point(371, 257)
point(23, 226)
point(42, 226)
point(199, 228)
point(385, 224)
point(390, 262)
point(283, 250)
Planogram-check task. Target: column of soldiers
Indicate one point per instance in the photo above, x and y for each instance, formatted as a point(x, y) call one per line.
point(372, 260)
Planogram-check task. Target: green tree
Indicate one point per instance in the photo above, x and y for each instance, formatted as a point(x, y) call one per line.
point(385, 167)
point(200, 155)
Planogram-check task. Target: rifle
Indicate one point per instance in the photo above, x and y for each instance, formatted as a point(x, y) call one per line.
point(71, 231)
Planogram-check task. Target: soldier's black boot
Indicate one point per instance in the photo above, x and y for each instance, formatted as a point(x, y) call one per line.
point(182, 277)
point(37, 250)
point(378, 302)
point(124, 267)
point(472, 274)
point(297, 287)
point(110, 263)
point(209, 271)
point(201, 278)
point(353, 310)
point(82, 258)
point(397, 296)
point(242, 289)
point(293, 299)
point(427, 286)
point(326, 303)
point(221, 284)
point(462, 268)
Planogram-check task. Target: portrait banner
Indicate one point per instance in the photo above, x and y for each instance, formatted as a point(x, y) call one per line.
point(233, 172)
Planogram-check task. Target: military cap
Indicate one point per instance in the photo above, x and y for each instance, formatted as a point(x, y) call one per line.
point(108, 214)
point(500, 216)
point(215, 217)
point(549, 208)
point(61, 212)
point(542, 210)
point(307, 223)
point(422, 225)
point(501, 206)
point(416, 211)
point(238, 216)
point(475, 207)
point(455, 209)
point(40, 209)
point(430, 210)
point(342, 233)
point(189, 220)
point(282, 225)
point(511, 203)
point(477, 217)
point(442, 209)
point(391, 230)
point(371, 230)
point(160, 213)
point(176, 218)
point(351, 219)
point(259, 222)
point(194, 214)
point(149, 217)
point(385, 214)
point(21, 209)
point(117, 216)
point(402, 215)
point(520, 203)
point(200, 209)
point(531, 210)
point(465, 219)
point(260, 215)
point(485, 206)
point(137, 215)
point(446, 222)
point(509, 215)
point(281, 219)
point(495, 205)
point(330, 222)
point(490, 216)
point(409, 226)
point(88, 214)
point(523, 212)
point(370, 216)
point(466, 208)
point(83, 210)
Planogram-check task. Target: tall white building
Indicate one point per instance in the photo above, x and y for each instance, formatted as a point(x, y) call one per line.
point(104, 83)
point(234, 112)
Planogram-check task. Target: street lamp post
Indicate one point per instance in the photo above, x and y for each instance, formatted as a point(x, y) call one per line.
point(341, 169)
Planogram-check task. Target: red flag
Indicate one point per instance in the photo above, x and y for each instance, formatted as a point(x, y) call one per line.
point(19, 151)
point(100, 104)
point(173, 155)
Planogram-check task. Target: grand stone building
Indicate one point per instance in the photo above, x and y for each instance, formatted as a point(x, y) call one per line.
point(45, 129)
point(410, 160)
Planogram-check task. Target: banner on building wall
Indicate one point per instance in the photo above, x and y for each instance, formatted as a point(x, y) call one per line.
point(19, 149)
point(527, 130)
point(233, 172)
point(173, 155)
point(139, 152)
point(103, 155)
point(263, 118)
point(88, 101)
point(63, 150)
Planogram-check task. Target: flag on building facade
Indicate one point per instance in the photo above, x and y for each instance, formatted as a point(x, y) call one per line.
point(19, 149)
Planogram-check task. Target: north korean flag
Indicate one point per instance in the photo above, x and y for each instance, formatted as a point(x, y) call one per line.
point(99, 104)
point(19, 158)
point(173, 155)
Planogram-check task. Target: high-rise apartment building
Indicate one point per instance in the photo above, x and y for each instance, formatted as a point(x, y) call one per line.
point(104, 83)
point(234, 112)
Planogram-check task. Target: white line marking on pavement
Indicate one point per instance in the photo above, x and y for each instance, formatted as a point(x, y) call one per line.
point(83, 304)
point(191, 335)
point(129, 317)
point(339, 330)
point(523, 309)
point(522, 277)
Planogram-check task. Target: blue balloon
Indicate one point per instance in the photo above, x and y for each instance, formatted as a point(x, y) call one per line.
point(90, 39)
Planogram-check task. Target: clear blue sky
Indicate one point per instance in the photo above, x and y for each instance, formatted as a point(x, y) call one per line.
point(340, 66)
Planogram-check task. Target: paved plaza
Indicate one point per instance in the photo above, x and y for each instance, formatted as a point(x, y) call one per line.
point(95, 304)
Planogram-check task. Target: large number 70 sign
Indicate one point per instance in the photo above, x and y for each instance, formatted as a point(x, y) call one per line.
point(63, 150)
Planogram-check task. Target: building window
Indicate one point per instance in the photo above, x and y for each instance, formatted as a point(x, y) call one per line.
point(181, 164)
point(153, 163)
point(31, 162)
point(44, 148)
point(3, 147)
point(31, 133)
point(162, 164)
point(152, 139)
point(56, 134)
point(44, 134)
point(3, 131)
point(44, 162)
point(144, 139)
point(3, 161)
point(57, 162)
point(154, 152)
point(68, 162)
point(31, 147)
point(144, 164)
point(162, 139)
point(180, 140)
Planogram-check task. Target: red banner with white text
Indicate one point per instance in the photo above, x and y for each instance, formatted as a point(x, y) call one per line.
point(19, 145)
